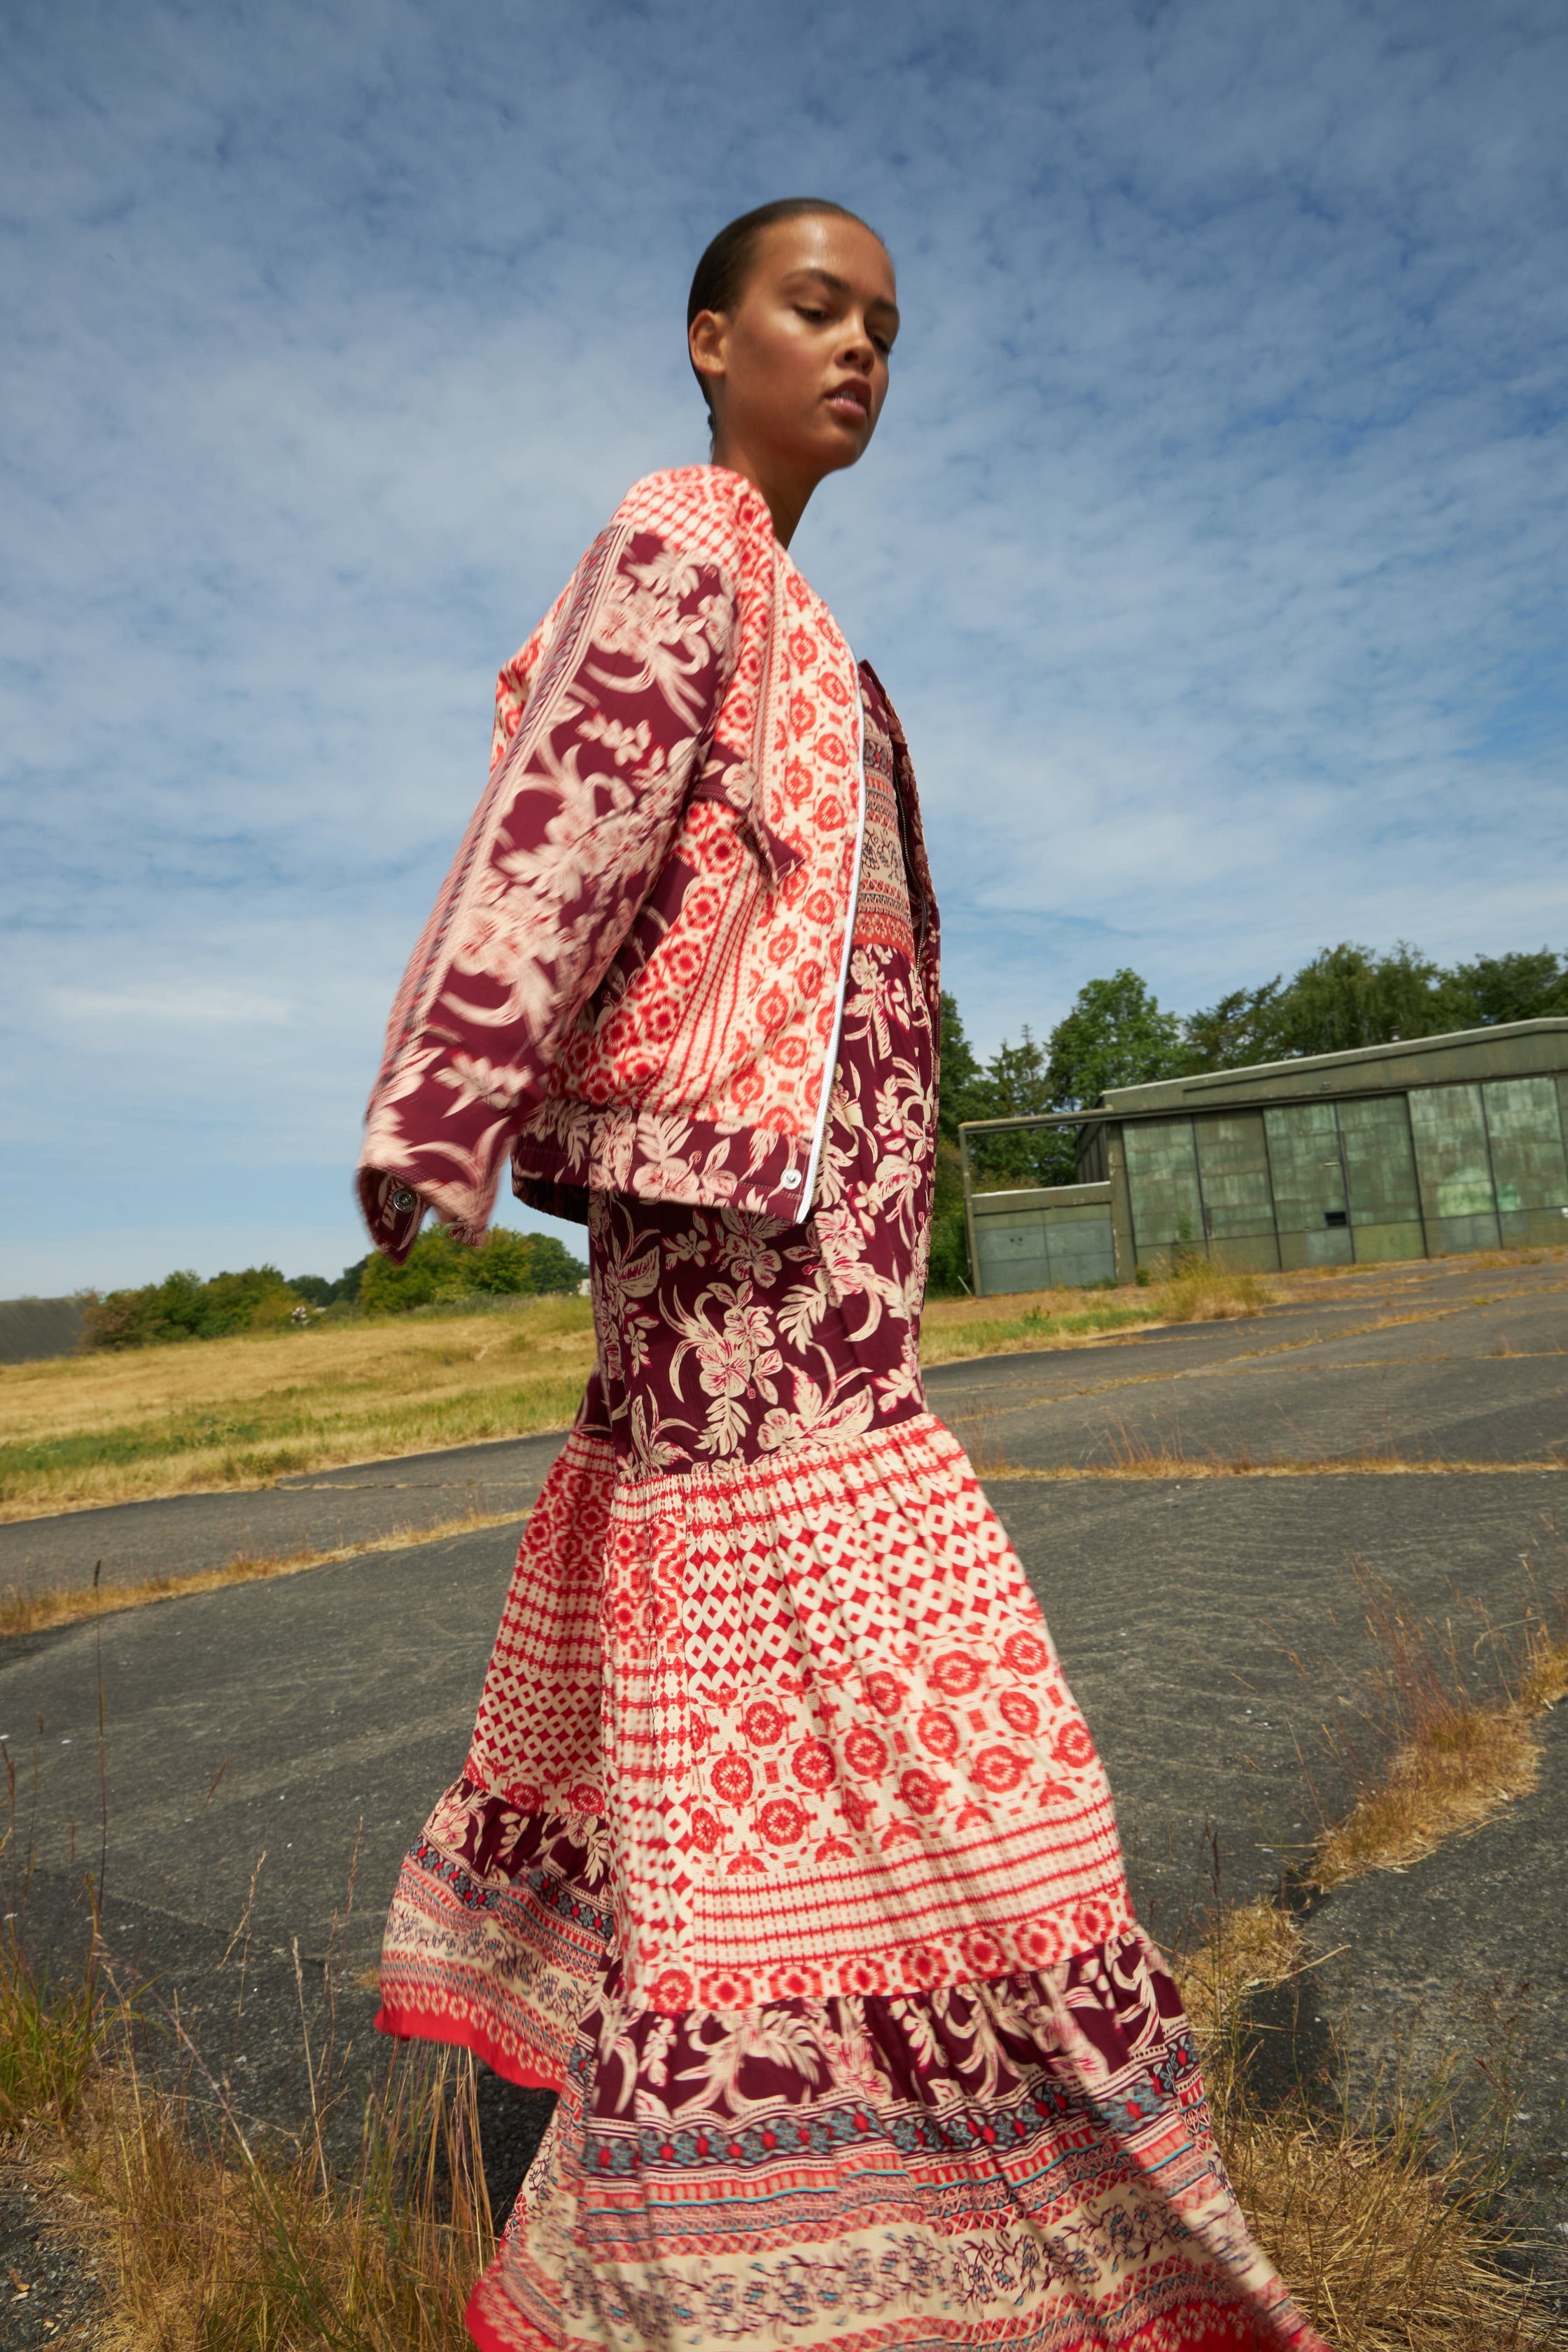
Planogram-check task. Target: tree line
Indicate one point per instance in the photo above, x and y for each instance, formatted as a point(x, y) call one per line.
point(439, 1272)
point(1116, 1033)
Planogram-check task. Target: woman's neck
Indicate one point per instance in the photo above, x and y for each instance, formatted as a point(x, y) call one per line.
point(786, 493)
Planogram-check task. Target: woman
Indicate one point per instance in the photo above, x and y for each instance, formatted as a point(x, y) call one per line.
point(780, 1850)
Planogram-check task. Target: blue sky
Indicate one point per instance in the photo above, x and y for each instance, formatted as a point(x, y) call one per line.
point(1212, 545)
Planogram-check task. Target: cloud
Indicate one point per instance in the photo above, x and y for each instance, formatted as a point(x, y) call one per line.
point(167, 1008)
point(1212, 547)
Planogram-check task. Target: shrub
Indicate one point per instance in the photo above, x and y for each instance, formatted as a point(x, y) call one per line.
point(440, 1270)
point(316, 1291)
point(948, 1276)
point(1197, 1292)
point(183, 1307)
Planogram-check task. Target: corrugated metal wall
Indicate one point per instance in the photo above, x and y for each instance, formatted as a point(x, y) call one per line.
point(1441, 1168)
point(1420, 1148)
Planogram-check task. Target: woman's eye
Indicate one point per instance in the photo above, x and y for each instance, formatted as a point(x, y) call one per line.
point(817, 317)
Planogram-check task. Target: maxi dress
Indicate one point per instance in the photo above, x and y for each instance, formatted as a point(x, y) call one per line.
point(781, 1849)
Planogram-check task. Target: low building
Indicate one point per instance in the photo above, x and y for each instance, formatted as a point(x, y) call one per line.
point(1413, 1150)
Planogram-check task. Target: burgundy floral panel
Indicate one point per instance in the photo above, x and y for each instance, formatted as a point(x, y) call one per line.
point(725, 1336)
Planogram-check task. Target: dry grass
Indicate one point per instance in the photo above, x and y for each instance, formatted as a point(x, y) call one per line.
point(37, 1612)
point(205, 2236)
point(954, 1329)
point(957, 1328)
point(1380, 2222)
point(1246, 1947)
point(1452, 1760)
point(211, 2241)
point(1405, 1270)
point(1165, 1463)
point(83, 1431)
point(79, 1431)
point(50, 2039)
point(1201, 1293)
point(1457, 1769)
point(1385, 2248)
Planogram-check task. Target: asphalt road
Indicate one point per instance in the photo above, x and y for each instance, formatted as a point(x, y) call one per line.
point(1374, 1365)
point(322, 1511)
point(1214, 1627)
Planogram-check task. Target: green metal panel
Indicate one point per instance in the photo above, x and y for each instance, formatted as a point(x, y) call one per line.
point(1516, 1049)
point(1011, 1254)
point(1120, 1205)
point(1384, 1198)
point(1233, 1167)
point(1455, 1167)
point(1247, 1253)
point(1090, 1156)
point(1162, 1179)
point(1380, 1162)
point(1043, 1238)
point(1309, 1202)
point(1081, 1249)
point(1529, 1168)
point(1454, 1148)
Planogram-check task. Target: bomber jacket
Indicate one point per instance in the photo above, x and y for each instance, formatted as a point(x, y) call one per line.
point(641, 949)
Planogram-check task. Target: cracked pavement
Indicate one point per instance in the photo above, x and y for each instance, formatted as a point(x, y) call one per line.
point(1210, 1625)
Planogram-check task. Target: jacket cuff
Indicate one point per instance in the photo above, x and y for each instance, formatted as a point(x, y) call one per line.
point(424, 1151)
point(392, 1209)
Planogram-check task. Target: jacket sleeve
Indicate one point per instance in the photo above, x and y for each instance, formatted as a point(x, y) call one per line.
point(602, 721)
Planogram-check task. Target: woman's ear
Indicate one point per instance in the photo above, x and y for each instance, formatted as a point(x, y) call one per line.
point(706, 339)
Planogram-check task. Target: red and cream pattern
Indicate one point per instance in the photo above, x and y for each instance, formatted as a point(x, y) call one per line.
point(636, 961)
point(781, 1849)
point(1021, 2163)
point(832, 1741)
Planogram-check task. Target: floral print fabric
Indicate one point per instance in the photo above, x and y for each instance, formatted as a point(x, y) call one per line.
point(639, 952)
point(725, 1336)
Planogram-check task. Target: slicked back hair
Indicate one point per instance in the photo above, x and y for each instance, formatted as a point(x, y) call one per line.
point(719, 279)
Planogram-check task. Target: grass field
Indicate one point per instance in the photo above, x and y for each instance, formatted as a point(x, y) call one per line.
point(79, 1431)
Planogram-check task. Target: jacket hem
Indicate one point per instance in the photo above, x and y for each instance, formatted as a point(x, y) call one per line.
point(654, 1157)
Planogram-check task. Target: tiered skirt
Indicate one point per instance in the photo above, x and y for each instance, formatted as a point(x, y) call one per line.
point(783, 1853)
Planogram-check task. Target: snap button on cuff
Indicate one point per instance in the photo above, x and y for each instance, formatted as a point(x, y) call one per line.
point(790, 1179)
point(403, 1199)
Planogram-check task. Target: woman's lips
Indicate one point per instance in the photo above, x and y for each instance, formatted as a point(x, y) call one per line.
point(851, 400)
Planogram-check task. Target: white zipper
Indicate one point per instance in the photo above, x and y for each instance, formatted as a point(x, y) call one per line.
point(819, 1133)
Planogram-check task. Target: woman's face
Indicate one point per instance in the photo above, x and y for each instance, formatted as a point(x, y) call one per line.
point(798, 372)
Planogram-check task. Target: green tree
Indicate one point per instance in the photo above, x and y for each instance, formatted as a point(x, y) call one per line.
point(961, 1081)
point(1527, 985)
point(319, 1292)
point(1115, 1035)
point(1017, 1084)
point(1242, 1028)
point(960, 1094)
point(183, 1307)
point(440, 1270)
point(1348, 997)
point(555, 1267)
point(1345, 998)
